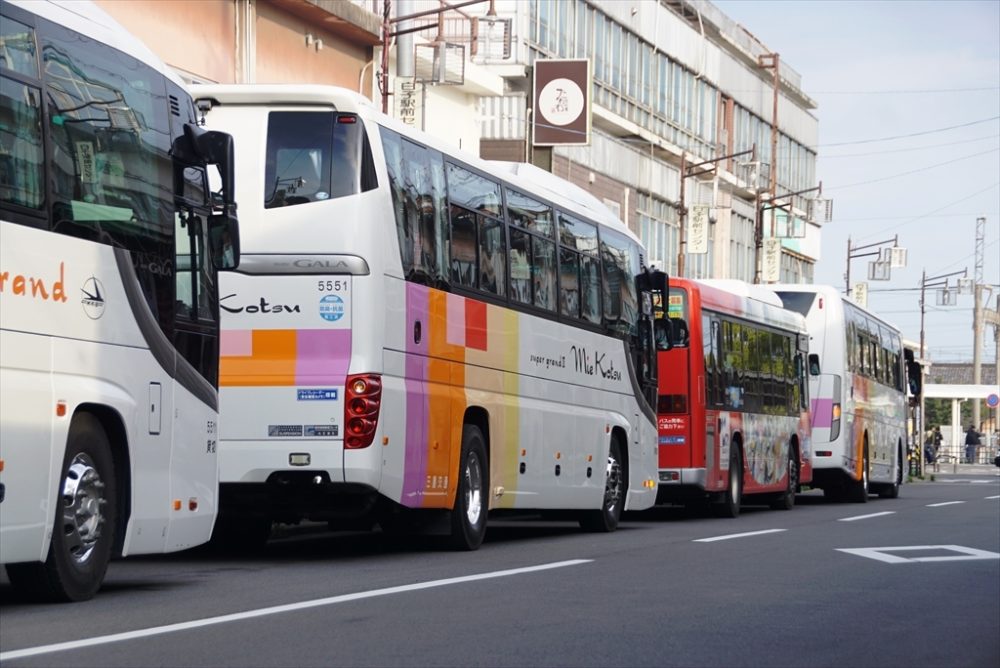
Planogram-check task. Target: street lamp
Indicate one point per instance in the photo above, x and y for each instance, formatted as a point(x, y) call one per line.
point(686, 171)
point(815, 205)
point(880, 269)
point(388, 34)
point(944, 296)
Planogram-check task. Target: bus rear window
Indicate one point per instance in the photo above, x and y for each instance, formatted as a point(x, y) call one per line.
point(672, 403)
point(800, 302)
point(313, 156)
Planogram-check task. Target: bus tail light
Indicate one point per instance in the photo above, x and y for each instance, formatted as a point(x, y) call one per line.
point(361, 406)
point(672, 403)
point(835, 423)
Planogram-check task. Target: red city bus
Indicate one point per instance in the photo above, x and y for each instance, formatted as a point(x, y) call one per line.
point(732, 409)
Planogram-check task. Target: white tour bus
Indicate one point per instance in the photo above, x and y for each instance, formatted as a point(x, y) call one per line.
point(857, 394)
point(108, 303)
point(413, 329)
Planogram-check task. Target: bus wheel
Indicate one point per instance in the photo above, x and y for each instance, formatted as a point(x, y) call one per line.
point(85, 521)
point(786, 500)
point(859, 489)
point(468, 517)
point(730, 506)
point(615, 486)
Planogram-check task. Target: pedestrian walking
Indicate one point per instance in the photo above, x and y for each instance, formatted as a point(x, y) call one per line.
point(971, 444)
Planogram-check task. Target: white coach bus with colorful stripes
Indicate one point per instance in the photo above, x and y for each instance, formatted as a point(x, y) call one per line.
point(109, 243)
point(417, 337)
point(857, 392)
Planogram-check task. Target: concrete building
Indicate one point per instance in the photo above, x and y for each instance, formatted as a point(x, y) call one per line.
point(673, 82)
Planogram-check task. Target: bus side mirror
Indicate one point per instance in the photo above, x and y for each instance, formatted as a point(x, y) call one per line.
point(214, 148)
point(814, 365)
point(913, 377)
point(224, 238)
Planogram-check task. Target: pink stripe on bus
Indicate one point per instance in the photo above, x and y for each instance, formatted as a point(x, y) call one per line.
point(417, 401)
point(323, 356)
point(236, 342)
point(455, 334)
point(822, 412)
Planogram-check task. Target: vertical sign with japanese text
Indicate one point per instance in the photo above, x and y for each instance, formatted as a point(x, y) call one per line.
point(772, 260)
point(860, 294)
point(406, 101)
point(697, 230)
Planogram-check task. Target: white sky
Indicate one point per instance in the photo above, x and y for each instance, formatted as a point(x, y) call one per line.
point(885, 68)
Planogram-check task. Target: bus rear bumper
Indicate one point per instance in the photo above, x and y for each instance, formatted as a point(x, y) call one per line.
point(683, 477)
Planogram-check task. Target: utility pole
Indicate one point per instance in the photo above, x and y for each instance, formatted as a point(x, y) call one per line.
point(851, 254)
point(932, 282)
point(690, 170)
point(978, 320)
point(405, 60)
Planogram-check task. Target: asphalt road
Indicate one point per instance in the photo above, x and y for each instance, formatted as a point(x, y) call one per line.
point(910, 582)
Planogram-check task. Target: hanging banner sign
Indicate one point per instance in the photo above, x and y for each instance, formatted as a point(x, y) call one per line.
point(697, 230)
point(772, 260)
point(562, 102)
point(406, 100)
point(860, 294)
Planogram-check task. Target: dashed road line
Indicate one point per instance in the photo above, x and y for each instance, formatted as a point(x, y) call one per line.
point(737, 535)
point(865, 517)
point(943, 503)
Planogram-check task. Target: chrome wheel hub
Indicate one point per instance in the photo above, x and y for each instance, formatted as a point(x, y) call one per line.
point(83, 502)
point(613, 484)
point(473, 489)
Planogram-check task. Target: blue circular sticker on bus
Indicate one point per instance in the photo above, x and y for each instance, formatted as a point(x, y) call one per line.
point(331, 307)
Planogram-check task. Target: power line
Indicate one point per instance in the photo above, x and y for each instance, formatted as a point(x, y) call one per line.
point(929, 213)
point(902, 92)
point(908, 217)
point(915, 171)
point(905, 150)
point(912, 134)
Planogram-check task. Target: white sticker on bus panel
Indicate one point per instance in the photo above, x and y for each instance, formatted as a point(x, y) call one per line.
point(285, 302)
point(269, 413)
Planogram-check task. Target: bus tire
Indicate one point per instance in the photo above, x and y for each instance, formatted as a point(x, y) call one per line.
point(468, 517)
point(786, 499)
point(86, 518)
point(733, 499)
point(858, 492)
point(607, 518)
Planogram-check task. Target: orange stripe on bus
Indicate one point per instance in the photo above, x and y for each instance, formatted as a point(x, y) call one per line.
point(271, 362)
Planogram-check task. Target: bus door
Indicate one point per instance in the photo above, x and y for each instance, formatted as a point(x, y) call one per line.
point(824, 404)
point(673, 406)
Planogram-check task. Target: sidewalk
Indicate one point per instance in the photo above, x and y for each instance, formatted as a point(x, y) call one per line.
point(949, 467)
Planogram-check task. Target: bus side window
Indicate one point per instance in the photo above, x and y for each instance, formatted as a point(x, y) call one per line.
point(21, 151)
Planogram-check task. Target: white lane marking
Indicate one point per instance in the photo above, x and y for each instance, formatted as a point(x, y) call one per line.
point(278, 609)
point(943, 503)
point(882, 553)
point(737, 535)
point(864, 517)
point(993, 497)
